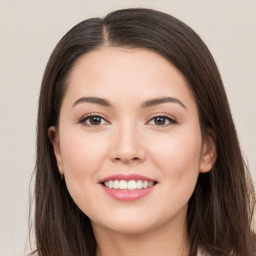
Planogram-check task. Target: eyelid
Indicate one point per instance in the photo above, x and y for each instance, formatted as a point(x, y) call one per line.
point(171, 119)
point(84, 117)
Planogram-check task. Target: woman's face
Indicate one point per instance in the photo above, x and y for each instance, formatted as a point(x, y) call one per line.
point(129, 140)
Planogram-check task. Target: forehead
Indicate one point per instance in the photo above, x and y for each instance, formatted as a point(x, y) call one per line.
point(129, 60)
point(121, 72)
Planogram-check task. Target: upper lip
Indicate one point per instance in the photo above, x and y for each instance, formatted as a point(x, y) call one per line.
point(127, 177)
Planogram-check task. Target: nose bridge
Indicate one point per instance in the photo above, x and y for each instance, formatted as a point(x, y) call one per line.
point(127, 142)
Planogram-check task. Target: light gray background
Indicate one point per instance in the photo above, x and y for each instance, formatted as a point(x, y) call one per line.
point(29, 30)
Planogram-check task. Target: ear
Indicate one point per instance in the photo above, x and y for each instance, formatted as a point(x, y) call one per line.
point(208, 153)
point(54, 138)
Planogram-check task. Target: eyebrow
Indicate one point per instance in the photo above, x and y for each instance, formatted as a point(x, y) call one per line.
point(95, 100)
point(146, 104)
point(157, 101)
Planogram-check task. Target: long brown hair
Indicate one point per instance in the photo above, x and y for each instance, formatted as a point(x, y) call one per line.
point(219, 217)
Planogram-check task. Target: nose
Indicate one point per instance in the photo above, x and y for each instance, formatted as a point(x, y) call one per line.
point(128, 146)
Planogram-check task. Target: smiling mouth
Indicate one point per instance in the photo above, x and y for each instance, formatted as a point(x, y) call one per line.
point(128, 184)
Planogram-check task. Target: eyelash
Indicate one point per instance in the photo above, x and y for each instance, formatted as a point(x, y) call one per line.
point(87, 117)
point(170, 120)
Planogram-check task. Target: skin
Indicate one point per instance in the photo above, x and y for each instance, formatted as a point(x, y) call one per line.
point(129, 140)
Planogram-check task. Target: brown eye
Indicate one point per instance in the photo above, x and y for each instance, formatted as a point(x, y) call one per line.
point(161, 121)
point(93, 120)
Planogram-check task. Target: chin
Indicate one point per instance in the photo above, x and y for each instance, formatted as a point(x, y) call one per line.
point(128, 228)
point(127, 224)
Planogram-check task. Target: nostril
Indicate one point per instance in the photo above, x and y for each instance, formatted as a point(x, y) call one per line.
point(127, 159)
point(127, 155)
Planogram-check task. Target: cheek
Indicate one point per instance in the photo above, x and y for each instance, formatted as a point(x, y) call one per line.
point(177, 158)
point(177, 155)
point(81, 153)
point(81, 156)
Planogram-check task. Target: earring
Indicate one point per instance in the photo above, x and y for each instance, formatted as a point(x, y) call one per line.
point(61, 174)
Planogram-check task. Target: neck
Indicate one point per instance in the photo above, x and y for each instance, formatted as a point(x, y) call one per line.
point(164, 241)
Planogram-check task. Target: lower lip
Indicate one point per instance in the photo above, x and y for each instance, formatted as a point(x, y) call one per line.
point(128, 195)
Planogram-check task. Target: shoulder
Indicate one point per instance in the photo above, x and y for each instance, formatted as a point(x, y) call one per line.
point(202, 253)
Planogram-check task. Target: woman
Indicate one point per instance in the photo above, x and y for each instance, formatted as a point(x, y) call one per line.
point(137, 153)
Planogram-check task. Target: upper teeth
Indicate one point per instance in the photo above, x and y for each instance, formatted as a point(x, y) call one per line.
point(131, 184)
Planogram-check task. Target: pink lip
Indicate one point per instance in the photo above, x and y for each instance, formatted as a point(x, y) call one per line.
point(125, 194)
point(131, 176)
point(128, 195)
